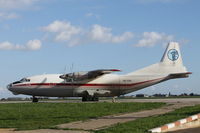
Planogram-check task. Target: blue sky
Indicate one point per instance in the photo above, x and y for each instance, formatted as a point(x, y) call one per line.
point(48, 36)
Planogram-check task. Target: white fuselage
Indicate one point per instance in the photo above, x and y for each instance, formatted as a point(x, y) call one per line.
point(107, 85)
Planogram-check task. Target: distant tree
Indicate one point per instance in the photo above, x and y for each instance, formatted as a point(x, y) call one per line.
point(191, 94)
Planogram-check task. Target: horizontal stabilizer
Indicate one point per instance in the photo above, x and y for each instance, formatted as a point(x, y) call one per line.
point(179, 75)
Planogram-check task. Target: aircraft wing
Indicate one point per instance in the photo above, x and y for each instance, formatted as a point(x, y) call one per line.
point(90, 75)
point(100, 72)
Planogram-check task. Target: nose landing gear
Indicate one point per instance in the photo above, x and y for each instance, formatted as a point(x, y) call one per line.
point(34, 99)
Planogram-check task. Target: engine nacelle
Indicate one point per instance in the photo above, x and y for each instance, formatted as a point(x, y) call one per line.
point(73, 76)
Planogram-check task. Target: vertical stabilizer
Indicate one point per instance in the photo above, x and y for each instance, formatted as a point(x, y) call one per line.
point(172, 55)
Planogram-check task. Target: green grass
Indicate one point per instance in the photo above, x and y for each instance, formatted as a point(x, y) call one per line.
point(25, 116)
point(144, 124)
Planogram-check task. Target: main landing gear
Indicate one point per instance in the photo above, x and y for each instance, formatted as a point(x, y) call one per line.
point(34, 99)
point(89, 98)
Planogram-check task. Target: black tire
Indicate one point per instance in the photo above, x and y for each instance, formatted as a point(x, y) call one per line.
point(95, 98)
point(84, 99)
point(89, 98)
point(35, 100)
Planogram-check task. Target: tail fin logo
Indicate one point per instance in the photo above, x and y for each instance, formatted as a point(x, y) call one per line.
point(173, 54)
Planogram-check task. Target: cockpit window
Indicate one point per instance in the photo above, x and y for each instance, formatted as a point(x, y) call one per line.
point(17, 82)
point(25, 80)
point(22, 81)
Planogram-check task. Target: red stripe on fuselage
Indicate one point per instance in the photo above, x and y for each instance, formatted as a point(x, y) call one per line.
point(77, 84)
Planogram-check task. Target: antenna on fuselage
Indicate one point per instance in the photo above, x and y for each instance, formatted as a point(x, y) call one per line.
point(71, 71)
point(71, 68)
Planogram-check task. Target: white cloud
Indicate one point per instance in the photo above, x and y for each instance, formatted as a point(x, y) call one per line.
point(102, 34)
point(33, 45)
point(150, 39)
point(7, 16)
point(30, 45)
point(7, 5)
point(65, 32)
point(58, 26)
point(89, 14)
point(92, 15)
point(15, 4)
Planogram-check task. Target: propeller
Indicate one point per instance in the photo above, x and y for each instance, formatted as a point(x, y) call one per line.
point(69, 76)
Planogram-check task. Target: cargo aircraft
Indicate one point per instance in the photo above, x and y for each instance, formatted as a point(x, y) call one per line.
point(93, 84)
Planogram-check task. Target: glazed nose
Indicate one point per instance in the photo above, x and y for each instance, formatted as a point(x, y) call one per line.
point(9, 86)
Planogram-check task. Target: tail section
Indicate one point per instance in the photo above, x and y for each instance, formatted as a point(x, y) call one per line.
point(171, 63)
point(172, 55)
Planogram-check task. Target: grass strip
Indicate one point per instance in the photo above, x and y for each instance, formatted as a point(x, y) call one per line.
point(144, 124)
point(26, 116)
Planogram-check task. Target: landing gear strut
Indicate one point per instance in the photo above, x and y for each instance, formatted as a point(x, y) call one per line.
point(34, 100)
point(114, 99)
point(90, 98)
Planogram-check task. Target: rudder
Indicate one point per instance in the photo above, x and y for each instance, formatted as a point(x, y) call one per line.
point(172, 55)
point(172, 59)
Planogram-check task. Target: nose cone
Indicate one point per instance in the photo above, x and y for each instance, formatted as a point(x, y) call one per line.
point(12, 88)
point(9, 87)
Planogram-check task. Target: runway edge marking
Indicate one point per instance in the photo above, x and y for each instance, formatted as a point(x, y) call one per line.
point(175, 124)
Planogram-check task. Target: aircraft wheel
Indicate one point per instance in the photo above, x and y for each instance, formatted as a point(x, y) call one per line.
point(89, 98)
point(95, 98)
point(35, 100)
point(84, 99)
